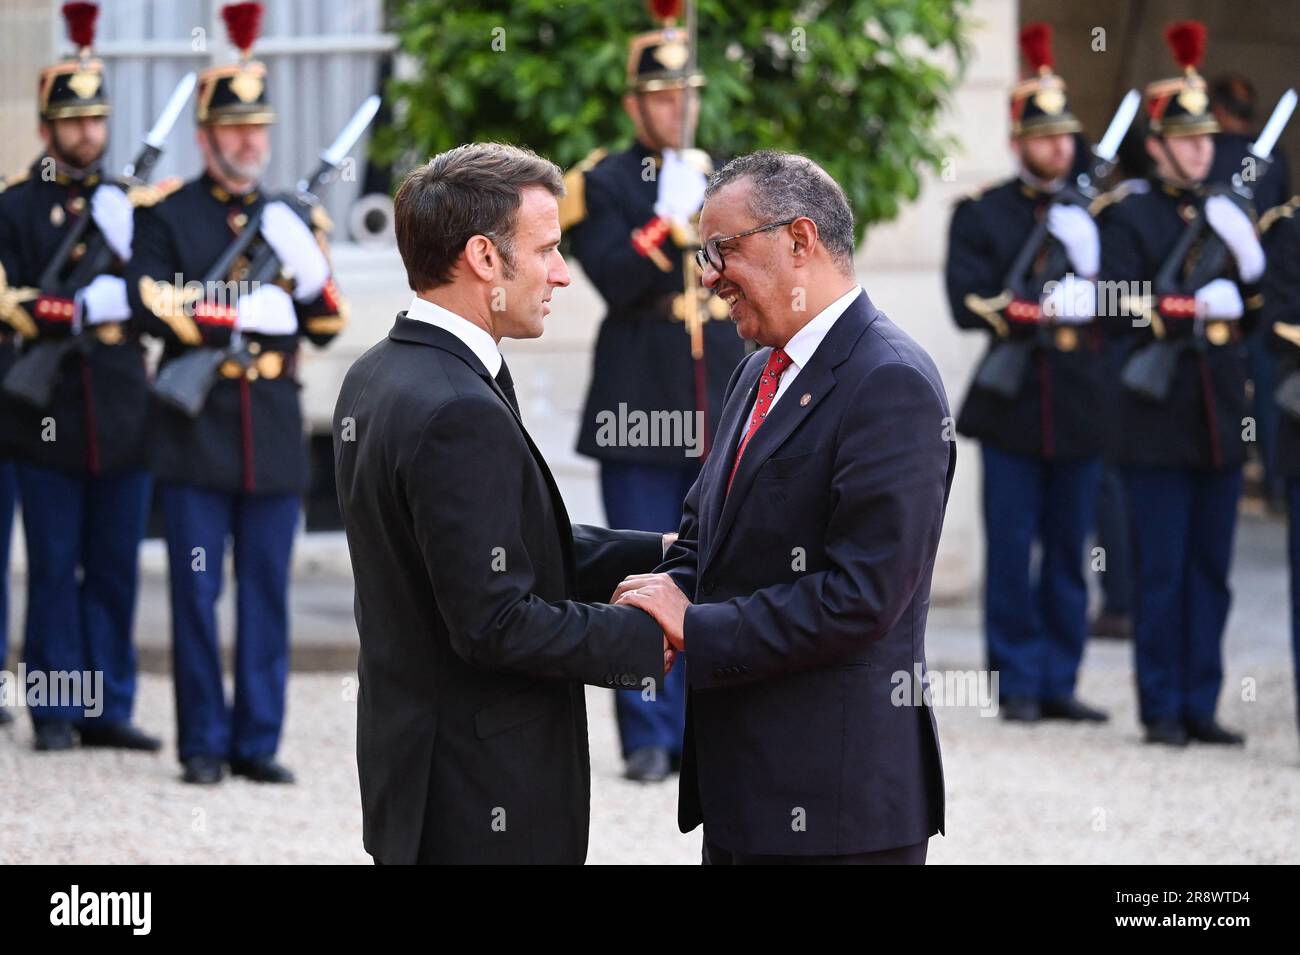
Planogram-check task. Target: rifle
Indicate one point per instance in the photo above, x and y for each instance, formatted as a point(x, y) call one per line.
point(185, 382)
point(1149, 371)
point(1003, 369)
point(33, 375)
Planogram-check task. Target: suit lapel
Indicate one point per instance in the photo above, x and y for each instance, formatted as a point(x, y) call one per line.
point(411, 330)
point(801, 397)
point(735, 418)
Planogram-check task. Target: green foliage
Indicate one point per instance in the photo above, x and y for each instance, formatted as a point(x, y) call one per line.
point(857, 85)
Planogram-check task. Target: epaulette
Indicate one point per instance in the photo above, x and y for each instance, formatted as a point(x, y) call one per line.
point(1285, 211)
point(15, 180)
point(320, 219)
point(573, 207)
point(974, 194)
point(1110, 197)
point(150, 194)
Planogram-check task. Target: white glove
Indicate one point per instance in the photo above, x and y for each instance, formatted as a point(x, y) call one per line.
point(103, 300)
point(1070, 302)
point(1219, 299)
point(1238, 234)
point(1076, 230)
point(297, 248)
point(267, 310)
point(681, 189)
point(115, 217)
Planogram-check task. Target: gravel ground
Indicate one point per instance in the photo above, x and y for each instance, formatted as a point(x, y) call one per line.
point(1043, 793)
point(1048, 793)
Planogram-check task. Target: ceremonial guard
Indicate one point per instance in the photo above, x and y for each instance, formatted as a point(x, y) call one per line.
point(662, 348)
point(230, 460)
point(1022, 258)
point(1189, 263)
point(65, 232)
point(1281, 230)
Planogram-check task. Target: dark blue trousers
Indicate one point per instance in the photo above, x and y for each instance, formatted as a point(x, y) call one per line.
point(648, 497)
point(83, 543)
point(198, 522)
point(1036, 611)
point(1293, 552)
point(1183, 525)
point(8, 499)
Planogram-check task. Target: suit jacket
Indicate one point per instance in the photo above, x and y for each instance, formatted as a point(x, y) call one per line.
point(471, 723)
point(811, 585)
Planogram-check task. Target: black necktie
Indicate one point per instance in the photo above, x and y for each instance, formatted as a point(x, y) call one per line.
point(507, 385)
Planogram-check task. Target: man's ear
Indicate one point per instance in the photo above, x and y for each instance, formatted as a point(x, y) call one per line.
point(481, 257)
point(803, 239)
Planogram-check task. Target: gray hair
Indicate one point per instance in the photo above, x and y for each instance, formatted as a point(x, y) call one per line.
point(787, 186)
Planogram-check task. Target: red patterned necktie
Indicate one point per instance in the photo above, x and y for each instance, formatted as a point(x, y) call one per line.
point(777, 363)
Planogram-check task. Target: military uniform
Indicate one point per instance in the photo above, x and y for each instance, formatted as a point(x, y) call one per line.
point(644, 363)
point(1282, 290)
point(9, 314)
point(82, 470)
point(1040, 436)
point(238, 469)
point(1181, 453)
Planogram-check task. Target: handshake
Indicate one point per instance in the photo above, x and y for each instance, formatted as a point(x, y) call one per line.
point(660, 597)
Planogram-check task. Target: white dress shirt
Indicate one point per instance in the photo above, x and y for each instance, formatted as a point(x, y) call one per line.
point(801, 346)
point(476, 339)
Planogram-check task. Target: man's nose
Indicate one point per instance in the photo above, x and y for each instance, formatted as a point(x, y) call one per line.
point(559, 276)
point(710, 276)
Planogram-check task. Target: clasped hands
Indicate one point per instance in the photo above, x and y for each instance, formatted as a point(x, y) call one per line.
point(662, 599)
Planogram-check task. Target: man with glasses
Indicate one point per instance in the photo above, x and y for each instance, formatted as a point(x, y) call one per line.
point(799, 580)
point(632, 219)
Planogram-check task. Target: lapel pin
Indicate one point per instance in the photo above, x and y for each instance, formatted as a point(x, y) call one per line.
point(803, 402)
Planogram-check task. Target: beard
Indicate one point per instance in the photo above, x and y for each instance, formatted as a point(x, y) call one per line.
point(1044, 172)
point(79, 153)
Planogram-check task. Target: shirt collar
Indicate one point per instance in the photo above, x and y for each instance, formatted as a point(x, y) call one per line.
point(804, 342)
point(476, 339)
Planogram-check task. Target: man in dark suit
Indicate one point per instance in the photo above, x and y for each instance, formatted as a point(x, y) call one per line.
point(471, 725)
point(800, 579)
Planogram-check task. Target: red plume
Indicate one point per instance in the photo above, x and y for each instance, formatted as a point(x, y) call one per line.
point(1036, 44)
point(243, 22)
point(665, 9)
point(80, 19)
point(1187, 40)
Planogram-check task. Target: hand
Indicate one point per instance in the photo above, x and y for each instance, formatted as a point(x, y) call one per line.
point(267, 310)
point(1238, 234)
point(103, 300)
point(670, 656)
point(681, 189)
point(660, 597)
point(1219, 299)
point(1071, 302)
point(669, 539)
point(297, 248)
point(115, 218)
point(1075, 229)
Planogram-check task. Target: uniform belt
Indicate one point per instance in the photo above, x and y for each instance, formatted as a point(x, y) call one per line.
point(266, 364)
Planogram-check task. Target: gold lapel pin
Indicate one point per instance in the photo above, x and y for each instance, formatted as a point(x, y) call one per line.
point(803, 402)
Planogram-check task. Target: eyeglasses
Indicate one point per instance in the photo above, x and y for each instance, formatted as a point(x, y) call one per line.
point(711, 254)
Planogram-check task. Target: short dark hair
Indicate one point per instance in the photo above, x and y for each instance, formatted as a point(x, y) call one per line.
point(471, 190)
point(787, 186)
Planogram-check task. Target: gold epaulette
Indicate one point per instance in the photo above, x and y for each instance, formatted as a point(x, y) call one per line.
point(1110, 197)
point(973, 194)
point(1290, 333)
point(14, 180)
point(573, 207)
point(150, 194)
point(320, 219)
point(1285, 211)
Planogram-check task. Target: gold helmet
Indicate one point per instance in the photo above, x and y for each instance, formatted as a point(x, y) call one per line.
point(1181, 106)
point(1039, 106)
point(233, 94)
point(75, 87)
